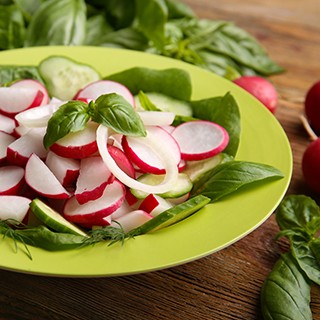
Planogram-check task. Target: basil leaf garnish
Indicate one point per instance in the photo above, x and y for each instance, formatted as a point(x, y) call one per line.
point(70, 117)
point(113, 111)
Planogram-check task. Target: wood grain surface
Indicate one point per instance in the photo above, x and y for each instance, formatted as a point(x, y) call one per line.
point(225, 285)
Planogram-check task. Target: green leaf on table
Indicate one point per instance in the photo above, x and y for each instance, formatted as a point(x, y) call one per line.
point(228, 177)
point(224, 111)
point(70, 117)
point(286, 292)
point(10, 73)
point(113, 111)
point(58, 22)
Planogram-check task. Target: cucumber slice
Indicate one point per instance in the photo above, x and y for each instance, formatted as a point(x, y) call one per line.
point(53, 219)
point(183, 185)
point(64, 77)
point(166, 103)
point(171, 216)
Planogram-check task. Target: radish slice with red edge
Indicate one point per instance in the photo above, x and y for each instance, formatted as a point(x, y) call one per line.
point(14, 207)
point(11, 180)
point(200, 139)
point(170, 164)
point(100, 87)
point(7, 124)
point(5, 140)
point(145, 157)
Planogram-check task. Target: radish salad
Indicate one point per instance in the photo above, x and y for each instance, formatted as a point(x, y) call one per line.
point(88, 158)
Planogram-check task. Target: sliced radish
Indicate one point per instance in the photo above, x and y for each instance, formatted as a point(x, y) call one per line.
point(132, 220)
point(11, 180)
point(19, 151)
point(124, 209)
point(122, 161)
point(93, 178)
point(152, 141)
point(97, 88)
point(156, 118)
point(20, 130)
point(66, 170)
point(38, 116)
point(94, 222)
point(154, 204)
point(39, 177)
point(35, 85)
point(200, 139)
point(5, 140)
point(14, 207)
point(7, 124)
point(144, 157)
point(79, 144)
point(94, 211)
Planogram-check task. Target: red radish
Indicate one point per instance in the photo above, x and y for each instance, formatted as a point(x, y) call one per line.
point(132, 200)
point(312, 106)
point(154, 204)
point(200, 139)
point(131, 220)
point(35, 85)
point(20, 150)
point(145, 158)
point(93, 211)
point(66, 170)
point(20, 130)
point(39, 177)
point(124, 209)
point(11, 180)
point(260, 88)
point(104, 222)
point(5, 140)
point(156, 118)
point(122, 160)
point(93, 178)
point(14, 207)
point(79, 144)
point(7, 124)
point(97, 88)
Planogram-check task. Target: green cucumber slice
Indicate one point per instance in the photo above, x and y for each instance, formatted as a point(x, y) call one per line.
point(64, 77)
point(183, 185)
point(53, 219)
point(166, 103)
point(171, 216)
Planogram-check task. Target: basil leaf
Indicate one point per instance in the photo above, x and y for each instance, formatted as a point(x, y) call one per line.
point(28, 7)
point(10, 73)
point(177, 10)
point(12, 29)
point(298, 212)
point(151, 18)
point(173, 82)
point(224, 111)
point(228, 177)
point(120, 13)
point(96, 28)
point(113, 111)
point(70, 117)
point(58, 22)
point(286, 292)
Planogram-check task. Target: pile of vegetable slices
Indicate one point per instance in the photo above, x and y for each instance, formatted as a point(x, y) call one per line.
point(105, 159)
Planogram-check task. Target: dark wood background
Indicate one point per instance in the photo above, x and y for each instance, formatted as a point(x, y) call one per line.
point(226, 284)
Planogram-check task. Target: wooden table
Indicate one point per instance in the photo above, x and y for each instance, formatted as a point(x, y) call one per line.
point(226, 284)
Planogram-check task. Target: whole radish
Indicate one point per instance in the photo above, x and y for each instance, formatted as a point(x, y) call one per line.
point(260, 88)
point(312, 106)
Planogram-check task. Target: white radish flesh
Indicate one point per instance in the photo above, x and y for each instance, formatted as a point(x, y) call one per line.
point(154, 205)
point(93, 178)
point(100, 87)
point(7, 124)
point(14, 207)
point(200, 139)
point(132, 220)
point(79, 144)
point(20, 150)
point(66, 170)
point(156, 118)
point(94, 211)
point(170, 164)
point(11, 180)
point(145, 157)
point(41, 179)
point(5, 140)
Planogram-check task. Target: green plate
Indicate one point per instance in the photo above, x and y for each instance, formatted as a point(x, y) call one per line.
point(212, 228)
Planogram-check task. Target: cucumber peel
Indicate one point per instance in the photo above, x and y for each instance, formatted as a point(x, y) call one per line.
point(64, 77)
point(53, 219)
point(171, 216)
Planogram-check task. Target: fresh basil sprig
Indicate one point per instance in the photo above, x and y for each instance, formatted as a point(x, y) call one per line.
point(111, 110)
point(298, 217)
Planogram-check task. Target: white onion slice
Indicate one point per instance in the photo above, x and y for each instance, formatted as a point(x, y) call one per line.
point(170, 165)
